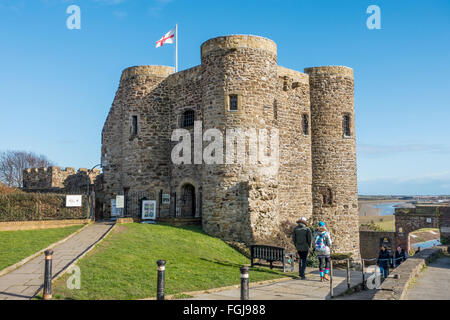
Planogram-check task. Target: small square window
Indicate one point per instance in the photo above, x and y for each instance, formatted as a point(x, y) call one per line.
point(233, 102)
point(188, 118)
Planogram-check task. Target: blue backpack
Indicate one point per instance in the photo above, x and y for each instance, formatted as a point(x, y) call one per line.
point(319, 243)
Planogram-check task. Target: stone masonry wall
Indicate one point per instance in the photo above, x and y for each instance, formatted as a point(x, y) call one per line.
point(408, 220)
point(240, 200)
point(335, 197)
point(55, 178)
point(369, 242)
point(252, 203)
point(295, 176)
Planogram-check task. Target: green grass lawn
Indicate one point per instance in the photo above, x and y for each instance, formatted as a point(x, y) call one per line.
point(17, 245)
point(123, 265)
point(385, 223)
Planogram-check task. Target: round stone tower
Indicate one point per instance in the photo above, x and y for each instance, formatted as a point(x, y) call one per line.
point(333, 148)
point(134, 152)
point(238, 76)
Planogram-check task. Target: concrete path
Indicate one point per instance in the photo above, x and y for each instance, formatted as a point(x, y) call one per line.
point(433, 283)
point(310, 289)
point(25, 282)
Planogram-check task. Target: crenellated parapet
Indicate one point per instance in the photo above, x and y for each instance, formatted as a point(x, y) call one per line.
point(57, 178)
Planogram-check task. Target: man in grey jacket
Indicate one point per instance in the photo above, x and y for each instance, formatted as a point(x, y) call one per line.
point(302, 237)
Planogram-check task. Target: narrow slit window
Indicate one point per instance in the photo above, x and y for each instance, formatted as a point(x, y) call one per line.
point(188, 118)
point(233, 102)
point(275, 110)
point(346, 125)
point(134, 125)
point(305, 124)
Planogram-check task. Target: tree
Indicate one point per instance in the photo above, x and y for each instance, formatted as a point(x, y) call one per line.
point(12, 164)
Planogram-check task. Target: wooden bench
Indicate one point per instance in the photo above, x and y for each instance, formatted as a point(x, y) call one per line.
point(271, 254)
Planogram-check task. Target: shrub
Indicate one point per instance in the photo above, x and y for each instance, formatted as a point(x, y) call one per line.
point(21, 206)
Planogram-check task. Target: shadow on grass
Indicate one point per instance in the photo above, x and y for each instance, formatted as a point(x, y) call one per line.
point(258, 269)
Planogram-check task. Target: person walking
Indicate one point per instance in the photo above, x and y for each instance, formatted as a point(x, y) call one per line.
point(302, 237)
point(399, 256)
point(322, 244)
point(383, 261)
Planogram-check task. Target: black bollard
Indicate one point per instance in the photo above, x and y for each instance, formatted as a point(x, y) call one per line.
point(244, 283)
point(48, 275)
point(363, 285)
point(160, 286)
point(348, 274)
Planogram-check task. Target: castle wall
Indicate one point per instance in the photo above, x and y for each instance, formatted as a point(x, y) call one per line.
point(240, 200)
point(54, 178)
point(185, 94)
point(249, 202)
point(137, 162)
point(334, 185)
point(294, 191)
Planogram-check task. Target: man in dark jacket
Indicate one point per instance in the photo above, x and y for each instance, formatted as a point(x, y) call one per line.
point(302, 237)
point(399, 256)
point(384, 260)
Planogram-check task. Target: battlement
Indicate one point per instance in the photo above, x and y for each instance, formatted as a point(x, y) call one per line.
point(51, 178)
point(330, 70)
point(157, 71)
point(238, 41)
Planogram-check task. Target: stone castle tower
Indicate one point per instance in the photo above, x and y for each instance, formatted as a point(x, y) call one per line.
point(238, 86)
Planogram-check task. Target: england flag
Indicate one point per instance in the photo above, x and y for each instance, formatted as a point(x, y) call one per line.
point(168, 38)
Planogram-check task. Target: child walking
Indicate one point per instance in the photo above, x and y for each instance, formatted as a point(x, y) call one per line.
point(322, 241)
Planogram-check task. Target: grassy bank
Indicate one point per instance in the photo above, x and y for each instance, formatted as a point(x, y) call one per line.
point(123, 266)
point(17, 245)
point(384, 223)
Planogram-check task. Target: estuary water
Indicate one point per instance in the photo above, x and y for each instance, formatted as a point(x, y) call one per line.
point(387, 208)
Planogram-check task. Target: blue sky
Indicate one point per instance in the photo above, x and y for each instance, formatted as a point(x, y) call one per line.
point(57, 85)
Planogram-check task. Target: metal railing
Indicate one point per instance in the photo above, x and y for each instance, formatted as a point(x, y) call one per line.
point(391, 263)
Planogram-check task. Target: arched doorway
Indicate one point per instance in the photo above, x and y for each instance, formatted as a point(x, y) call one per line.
point(188, 201)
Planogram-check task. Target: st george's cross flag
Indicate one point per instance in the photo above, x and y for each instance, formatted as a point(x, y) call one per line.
point(168, 38)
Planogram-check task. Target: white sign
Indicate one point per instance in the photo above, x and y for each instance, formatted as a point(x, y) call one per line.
point(428, 220)
point(114, 211)
point(148, 210)
point(120, 202)
point(166, 198)
point(73, 201)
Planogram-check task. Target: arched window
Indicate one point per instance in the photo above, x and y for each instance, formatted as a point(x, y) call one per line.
point(188, 118)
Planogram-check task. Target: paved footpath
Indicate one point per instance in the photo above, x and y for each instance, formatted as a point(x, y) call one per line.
point(433, 283)
point(310, 289)
point(25, 282)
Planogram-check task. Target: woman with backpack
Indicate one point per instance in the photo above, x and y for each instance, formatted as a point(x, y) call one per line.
point(322, 244)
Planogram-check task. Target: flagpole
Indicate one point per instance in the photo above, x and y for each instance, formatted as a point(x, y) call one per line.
point(176, 47)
